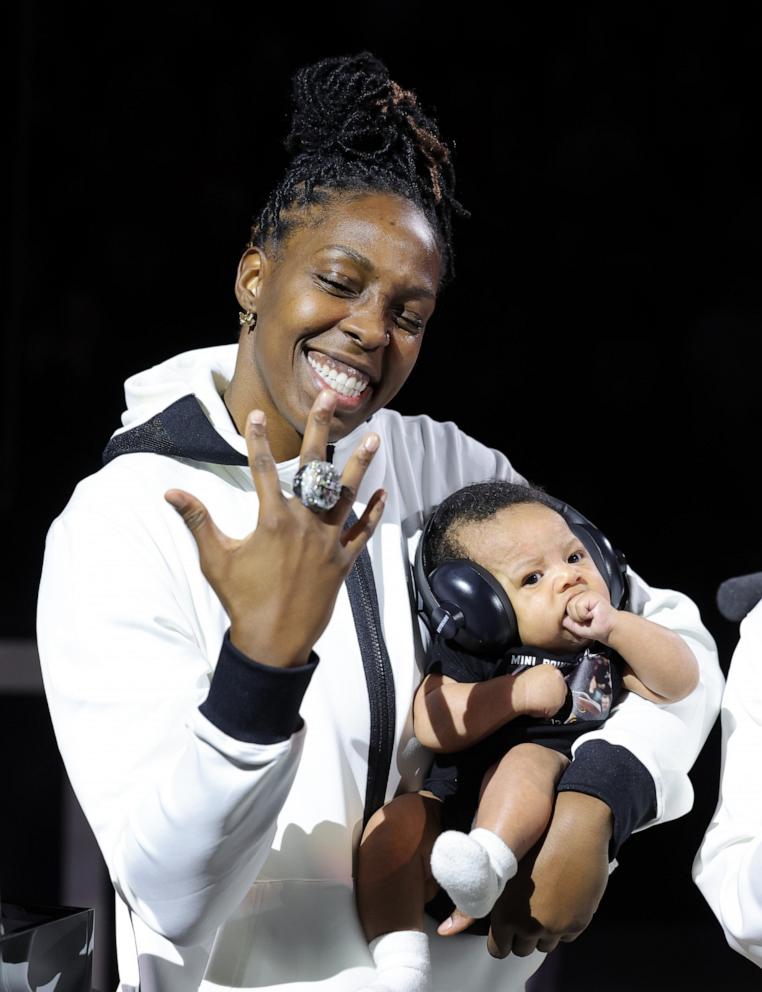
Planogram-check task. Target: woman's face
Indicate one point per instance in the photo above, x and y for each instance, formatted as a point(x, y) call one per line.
point(344, 306)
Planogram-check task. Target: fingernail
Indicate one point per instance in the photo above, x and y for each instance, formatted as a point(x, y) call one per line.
point(371, 442)
point(325, 399)
point(257, 421)
point(447, 924)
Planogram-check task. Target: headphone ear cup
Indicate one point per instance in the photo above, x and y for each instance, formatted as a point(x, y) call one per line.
point(611, 563)
point(475, 610)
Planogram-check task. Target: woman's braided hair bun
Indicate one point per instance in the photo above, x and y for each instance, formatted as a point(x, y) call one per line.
point(350, 108)
point(355, 128)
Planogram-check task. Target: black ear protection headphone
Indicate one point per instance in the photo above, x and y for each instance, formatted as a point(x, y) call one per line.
point(462, 602)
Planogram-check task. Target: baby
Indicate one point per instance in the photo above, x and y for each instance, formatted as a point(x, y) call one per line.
point(502, 729)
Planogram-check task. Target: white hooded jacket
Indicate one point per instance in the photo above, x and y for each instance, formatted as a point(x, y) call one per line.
point(231, 851)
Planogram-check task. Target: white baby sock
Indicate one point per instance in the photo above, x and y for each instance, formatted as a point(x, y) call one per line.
point(472, 868)
point(403, 962)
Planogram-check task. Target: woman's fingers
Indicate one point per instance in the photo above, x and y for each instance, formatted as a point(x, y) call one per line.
point(455, 923)
point(351, 478)
point(522, 946)
point(209, 538)
point(264, 471)
point(512, 943)
point(355, 538)
point(357, 465)
point(549, 944)
point(318, 426)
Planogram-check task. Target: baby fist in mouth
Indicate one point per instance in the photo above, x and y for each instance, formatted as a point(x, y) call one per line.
point(590, 614)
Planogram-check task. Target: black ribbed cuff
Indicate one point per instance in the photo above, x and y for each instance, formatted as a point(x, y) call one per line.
point(613, 774)
point(256, 703)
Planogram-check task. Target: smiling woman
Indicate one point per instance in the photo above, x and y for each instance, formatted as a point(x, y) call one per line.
point(231, 683)
point(347, 254)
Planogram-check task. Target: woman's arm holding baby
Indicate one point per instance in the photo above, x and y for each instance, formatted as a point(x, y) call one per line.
point(662, 667)
point(450, 716)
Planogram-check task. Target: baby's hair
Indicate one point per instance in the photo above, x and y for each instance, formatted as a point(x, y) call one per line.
point(472, 504)
point(355, 130)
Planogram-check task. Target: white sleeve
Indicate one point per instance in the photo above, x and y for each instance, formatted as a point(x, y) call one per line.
point(183, 812)
point(448, 460)
point(728, 866)
point(668, 738)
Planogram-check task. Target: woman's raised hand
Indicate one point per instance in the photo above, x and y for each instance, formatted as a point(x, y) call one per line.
point(279, 584)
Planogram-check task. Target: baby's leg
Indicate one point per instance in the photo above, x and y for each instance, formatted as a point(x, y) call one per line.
point(514, 810)
point(394, 882)
point(518, 794)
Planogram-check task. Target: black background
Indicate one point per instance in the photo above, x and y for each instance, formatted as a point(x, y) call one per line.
point(602, 330)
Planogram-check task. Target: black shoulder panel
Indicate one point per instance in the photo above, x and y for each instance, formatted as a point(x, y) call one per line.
point(182, 430)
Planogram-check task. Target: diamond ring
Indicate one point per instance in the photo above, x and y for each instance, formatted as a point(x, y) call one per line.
point(317, 485)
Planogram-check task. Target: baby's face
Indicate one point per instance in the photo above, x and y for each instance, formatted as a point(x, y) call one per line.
point(540, 564)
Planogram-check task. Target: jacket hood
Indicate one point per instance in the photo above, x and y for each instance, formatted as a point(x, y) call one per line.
point(176, 408)
point(204, 372)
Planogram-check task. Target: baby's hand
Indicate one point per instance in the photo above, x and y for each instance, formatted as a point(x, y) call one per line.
point(590, 615)
point(540, 692)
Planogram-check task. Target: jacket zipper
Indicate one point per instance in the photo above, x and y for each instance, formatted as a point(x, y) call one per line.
point(378, 678)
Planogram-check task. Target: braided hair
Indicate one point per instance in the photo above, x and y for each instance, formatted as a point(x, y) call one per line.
point(354, 129)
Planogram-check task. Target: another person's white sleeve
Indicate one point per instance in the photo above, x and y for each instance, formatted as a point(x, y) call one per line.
point(728, 866)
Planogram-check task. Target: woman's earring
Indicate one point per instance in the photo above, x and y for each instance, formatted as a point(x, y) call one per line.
point(248, 318)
